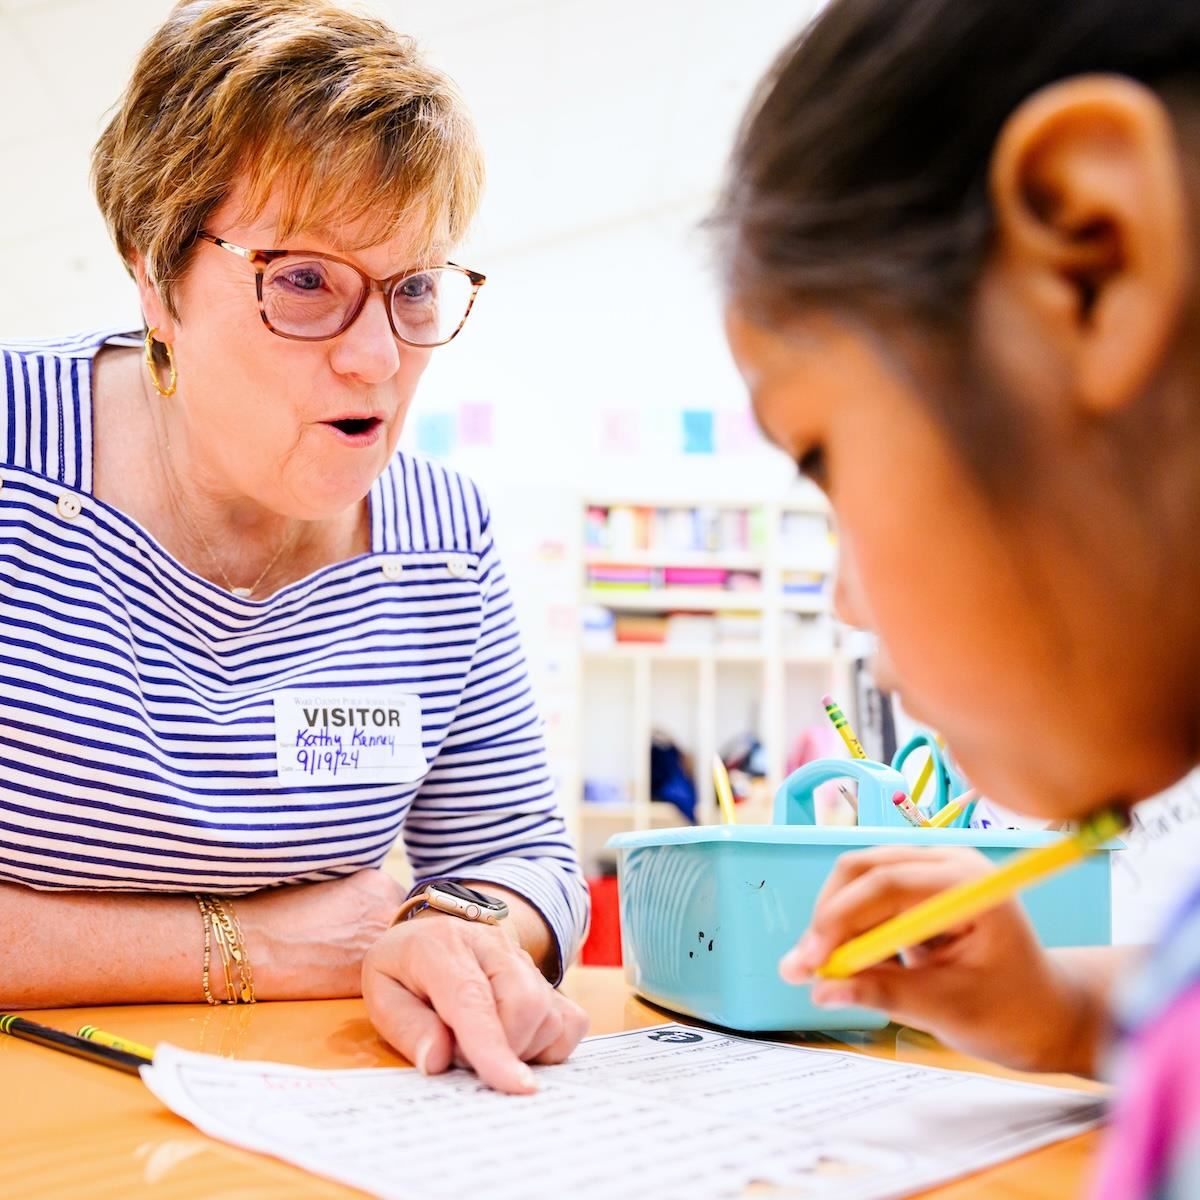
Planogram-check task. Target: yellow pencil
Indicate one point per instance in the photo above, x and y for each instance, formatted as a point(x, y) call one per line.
point(910, 812)
point(926, 771)
point(724, 790)
point(959, 904)
point(92, 1034)
point(843, 727)
point(944, 816)
point(923, 778)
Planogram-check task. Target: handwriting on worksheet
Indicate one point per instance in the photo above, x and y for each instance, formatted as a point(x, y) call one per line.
point(671, 1113)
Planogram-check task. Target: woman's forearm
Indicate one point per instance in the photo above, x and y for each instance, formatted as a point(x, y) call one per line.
point(75, 948)
point(303, 941)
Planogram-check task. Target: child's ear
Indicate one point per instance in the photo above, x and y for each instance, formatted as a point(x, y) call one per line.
point(1093, 230)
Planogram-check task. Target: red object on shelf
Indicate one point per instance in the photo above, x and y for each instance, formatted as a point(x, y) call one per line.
point(603, 945)
point(695, 577)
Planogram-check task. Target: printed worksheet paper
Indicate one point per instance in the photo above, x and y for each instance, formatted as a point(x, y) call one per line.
point(671, 1113)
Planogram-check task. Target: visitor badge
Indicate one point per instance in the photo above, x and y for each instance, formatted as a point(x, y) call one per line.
point(367, 735)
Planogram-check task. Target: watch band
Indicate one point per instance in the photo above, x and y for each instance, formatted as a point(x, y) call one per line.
point(489, 910)
point(410, 906)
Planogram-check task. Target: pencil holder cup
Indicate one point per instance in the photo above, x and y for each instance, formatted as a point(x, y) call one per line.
point(877, 784)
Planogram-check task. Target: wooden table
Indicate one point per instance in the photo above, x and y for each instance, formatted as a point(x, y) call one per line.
point(70, 1130)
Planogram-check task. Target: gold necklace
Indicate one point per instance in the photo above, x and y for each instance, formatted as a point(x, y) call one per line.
point(242, 593)
point(176, 493)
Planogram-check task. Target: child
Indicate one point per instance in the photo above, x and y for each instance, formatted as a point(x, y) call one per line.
point(959, 249)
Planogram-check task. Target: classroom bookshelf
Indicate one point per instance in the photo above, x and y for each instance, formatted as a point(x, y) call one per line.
point(706, 620)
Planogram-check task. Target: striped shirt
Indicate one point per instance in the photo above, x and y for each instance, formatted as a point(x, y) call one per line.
point(155, 729)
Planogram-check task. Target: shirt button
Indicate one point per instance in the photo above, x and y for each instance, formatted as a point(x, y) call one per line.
point(458, 567)
point(392, 568)
point(68, 506)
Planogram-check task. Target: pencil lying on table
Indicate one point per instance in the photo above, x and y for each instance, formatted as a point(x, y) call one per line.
point(57, 1039)
point(103, 1038)
point(959, 904)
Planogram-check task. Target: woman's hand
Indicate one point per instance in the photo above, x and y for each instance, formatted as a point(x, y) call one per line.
point(308, 941)
point(987, 988)
point(440, 988)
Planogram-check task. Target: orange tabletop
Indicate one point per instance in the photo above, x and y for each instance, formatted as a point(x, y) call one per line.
point(71, 1130)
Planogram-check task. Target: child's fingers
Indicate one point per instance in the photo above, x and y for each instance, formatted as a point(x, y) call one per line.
point(855, 863)
point(888, 885)
point(939, 1001)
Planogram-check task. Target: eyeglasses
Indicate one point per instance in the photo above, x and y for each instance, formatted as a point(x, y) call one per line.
point(312, 297)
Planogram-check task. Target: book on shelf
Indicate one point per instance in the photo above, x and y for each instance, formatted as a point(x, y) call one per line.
point(804, 583)
point(616, 577)
point(679, 529)
point(644, 630)
point(694, 577)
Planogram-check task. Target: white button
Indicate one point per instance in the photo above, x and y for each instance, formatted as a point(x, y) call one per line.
point(392, 568)
point(472, 912)
point(458, 567)
point(68, 506)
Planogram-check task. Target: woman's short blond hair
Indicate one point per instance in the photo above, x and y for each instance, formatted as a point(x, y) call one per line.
point(334, 107)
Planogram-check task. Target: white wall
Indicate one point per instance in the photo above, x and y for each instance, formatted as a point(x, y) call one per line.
point(605, 127)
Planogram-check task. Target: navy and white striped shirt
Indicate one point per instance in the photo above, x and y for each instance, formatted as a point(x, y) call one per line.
point(138, 701)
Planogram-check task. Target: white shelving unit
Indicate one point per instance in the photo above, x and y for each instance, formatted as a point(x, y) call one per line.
point(677, 600)
point(701, 694)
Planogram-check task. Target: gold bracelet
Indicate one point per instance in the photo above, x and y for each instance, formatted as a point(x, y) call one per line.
point(213, 933)
point(224, 941)
point(202, 902)
point(222, 927)
point(245, 991)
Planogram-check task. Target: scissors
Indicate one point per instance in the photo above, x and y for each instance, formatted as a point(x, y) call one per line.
point(944, 781)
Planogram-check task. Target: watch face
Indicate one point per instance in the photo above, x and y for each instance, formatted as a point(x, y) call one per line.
point(469, 895)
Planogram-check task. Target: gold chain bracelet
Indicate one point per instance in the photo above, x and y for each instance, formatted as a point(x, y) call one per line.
point(223, 929)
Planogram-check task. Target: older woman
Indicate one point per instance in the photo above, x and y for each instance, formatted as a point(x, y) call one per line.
point(245, 643)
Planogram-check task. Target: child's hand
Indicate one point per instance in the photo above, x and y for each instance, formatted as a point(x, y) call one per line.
point(987, 988)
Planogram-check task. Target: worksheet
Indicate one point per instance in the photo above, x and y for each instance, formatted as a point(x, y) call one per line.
point(669, 1113)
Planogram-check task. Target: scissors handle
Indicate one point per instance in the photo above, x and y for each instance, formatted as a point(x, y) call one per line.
point(935, 771)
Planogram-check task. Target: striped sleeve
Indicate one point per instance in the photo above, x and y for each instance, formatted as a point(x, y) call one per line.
point(487, 810)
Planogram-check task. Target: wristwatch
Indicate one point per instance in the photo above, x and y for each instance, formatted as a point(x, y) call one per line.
point(459, 901)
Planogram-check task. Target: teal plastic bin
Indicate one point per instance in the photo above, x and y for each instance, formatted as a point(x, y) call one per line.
point(707, 912)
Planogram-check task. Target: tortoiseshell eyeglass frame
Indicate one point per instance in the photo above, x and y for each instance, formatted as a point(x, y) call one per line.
point(260, 260)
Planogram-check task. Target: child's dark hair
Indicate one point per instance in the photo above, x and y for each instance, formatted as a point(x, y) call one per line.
point(859, 177)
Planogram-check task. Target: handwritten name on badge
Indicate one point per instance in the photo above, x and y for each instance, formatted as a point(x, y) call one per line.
point(371, 735)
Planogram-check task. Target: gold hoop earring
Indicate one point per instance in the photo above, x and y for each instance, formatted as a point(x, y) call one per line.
point(169, 390)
